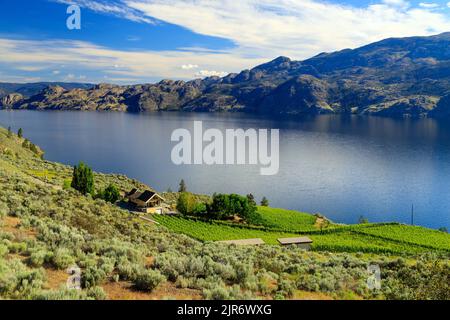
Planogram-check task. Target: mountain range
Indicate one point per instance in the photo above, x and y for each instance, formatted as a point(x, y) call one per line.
point(406, 77)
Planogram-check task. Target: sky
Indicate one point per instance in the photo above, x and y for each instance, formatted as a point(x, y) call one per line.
point(145, 41)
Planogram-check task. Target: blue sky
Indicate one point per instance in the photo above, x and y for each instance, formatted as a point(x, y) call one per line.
point(135, 41)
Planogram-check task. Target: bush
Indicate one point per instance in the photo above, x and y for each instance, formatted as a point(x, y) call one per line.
point(83, 179)
point(17, 247)
point(40, 256)
point(217, 293)
point(4, 210)
point(110, 194)
point(3, 250)
point(62, 259)
point(148, 280)
point(92, 277)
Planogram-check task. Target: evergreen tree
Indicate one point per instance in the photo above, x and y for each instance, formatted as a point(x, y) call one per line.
point(111, 194)
point(9, 132)
point(83, 179)
point(182, 186)
point(20, 133)
point(26, 144)
point(264, 202)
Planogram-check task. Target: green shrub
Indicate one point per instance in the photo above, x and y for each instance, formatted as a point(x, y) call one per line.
point(17, 247)
point(148, 280)
point(96, 293)
point(40, 256)
point(62, 259)
point(83, 179)
point(3, 250)
point(92, 277)
point(110, 194)
point(217, 293)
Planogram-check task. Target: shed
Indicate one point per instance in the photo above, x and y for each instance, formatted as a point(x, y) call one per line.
point(245, 242)
point(302, 242)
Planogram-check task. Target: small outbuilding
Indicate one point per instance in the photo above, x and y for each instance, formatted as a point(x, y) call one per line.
point(301, 242)
point(245, 242)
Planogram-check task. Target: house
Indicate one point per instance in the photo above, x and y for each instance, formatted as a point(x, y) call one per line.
point(147, 201)
point(244, 242)
point(302, 242)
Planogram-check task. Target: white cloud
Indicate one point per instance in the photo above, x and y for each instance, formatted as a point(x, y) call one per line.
point(109, 7)
point(189, 66)
point(429, 5)
point(299, 29)
point(260, 29)
point(210, 73)
point(141, 66)
point(30, 68)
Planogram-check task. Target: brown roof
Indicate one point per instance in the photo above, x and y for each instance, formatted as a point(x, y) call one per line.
point(147, 195)
point(245, 242)
point(300, 240)
point(133, 194)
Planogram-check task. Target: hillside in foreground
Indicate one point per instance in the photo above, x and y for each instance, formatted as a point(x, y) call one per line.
point(46, 227)
point(405, 77)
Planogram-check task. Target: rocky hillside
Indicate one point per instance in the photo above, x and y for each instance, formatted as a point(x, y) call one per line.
point(393, 77)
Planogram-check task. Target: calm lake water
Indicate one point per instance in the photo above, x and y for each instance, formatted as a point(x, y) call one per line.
point(342, 167)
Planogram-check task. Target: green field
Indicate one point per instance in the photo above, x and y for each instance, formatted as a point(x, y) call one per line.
point(287, 219)
point(206, 231)
point(410, 235)
point(357, 239)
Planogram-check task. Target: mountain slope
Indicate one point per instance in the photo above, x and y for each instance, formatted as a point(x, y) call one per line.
point(393, 77)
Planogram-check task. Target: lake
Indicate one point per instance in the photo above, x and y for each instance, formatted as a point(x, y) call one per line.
point(341, 166)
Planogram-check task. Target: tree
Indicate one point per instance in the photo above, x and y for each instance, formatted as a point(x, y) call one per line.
point(264, 202)
point(225, 206)
point(83, 179)
point(363, 220)
point(26, 144)
point(186, 203)
point(251, 199)
point(182, 186)
point(9, 132)
point(20, 133)
point(443, 229)
point(111, 194)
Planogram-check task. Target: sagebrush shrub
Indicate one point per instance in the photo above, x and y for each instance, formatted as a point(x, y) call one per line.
point(148, 280)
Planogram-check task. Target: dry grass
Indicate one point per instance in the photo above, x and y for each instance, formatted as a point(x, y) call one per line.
point(305, 295)
point(12, 225)
point(55, 278)
point(124, 291)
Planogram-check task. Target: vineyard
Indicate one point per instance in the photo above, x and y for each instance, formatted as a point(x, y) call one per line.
point(410, 235)
point(206, 231)
point(367, 238)
point(287, 219)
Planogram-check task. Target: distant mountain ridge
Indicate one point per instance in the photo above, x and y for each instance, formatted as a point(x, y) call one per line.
point(408, 77)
